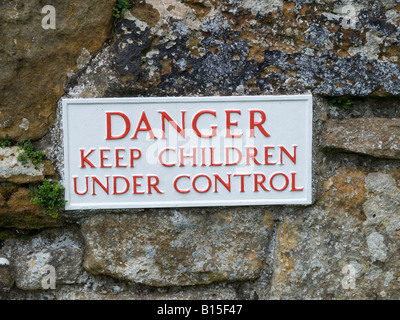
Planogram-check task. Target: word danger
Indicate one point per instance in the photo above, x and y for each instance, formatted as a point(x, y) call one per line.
point(144, 124)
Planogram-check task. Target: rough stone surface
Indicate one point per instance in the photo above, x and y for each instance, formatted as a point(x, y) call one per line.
point(178, 248)
point(12, 170)
point(354, 226)
point(34, 62)
point(252, 47)
point(105, 288)
point(376, 137)
point(17, 211)
point(6, 277)
point(60, 249)
point(97, 79)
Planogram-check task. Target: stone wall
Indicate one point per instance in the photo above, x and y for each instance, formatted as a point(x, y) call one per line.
point(343, 246)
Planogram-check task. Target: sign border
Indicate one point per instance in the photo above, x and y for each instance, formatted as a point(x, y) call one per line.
point(306, 200)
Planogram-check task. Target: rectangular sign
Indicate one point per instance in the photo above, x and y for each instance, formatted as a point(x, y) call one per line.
point(187, 152)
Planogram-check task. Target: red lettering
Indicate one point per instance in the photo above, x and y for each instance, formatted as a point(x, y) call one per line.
point(257, 124)
point(84, 159)
point(183, 156)
point(227, 185)
point(229, 123)
point(267, 155)
point(136, 183)
point(139, 154)
point(153, 184)
point(87, 186)
point(279, 174)
point(251, 155)
point(212, 158)
point(161, 160)
point(227, 163)
point(108, 120)
point(118, 157)
point(259, 183)
point(291, 157)
point(294, 183)
point(208, 186)
point(115, 184)
point(176, 183)
point(242, 175)
point(143, 118)
point(103, 157)
point(105, 188)
point(197, 131)
point(203, 156)
point(180, 130)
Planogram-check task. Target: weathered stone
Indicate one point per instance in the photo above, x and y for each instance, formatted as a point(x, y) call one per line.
point(334, 244)
point(97, 79)
point(12, 170)
point(164, 248)
point(6, 276)
point(35, 62)
point(61, 250)
point(19, 202)
point(106, 288)
point(383, 208)
point(122, 291)
point(17, 211)
point(252, 47)
point(376, 137)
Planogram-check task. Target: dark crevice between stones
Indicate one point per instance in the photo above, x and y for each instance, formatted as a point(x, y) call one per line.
point(336, 158)
point(362, 107)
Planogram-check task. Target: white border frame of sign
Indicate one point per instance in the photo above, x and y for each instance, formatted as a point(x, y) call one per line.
point(307, 200)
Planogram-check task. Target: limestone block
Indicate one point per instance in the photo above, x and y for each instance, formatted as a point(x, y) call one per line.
point(12, 170)
point(60, 249)
point(176, 248)
point(374, 136)
point(35, 61)
point(346, 246)
point(17, 211)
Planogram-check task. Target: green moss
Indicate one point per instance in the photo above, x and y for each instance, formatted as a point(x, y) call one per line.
point(32, 220)
point(28, 153)
point(120, 8)
point(36, 157)
point(6, 142)
point(50, 196)
point(340, 102)
point(4, 235)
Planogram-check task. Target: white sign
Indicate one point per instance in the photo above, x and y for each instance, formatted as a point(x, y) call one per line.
point(187, 152)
